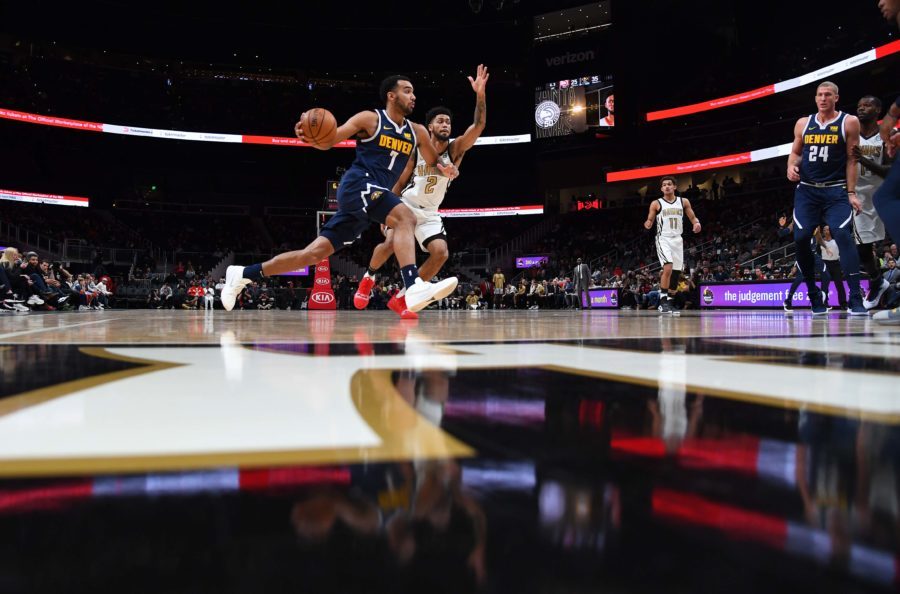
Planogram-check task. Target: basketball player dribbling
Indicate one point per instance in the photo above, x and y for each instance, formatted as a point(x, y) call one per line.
point(423, 191)
point(668, 212)
point(385, 141)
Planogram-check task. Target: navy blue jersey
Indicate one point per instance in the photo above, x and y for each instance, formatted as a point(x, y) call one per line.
point(383, 155)
point(824, 151)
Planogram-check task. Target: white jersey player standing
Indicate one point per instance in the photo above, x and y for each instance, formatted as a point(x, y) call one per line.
point(874, 164)
point(422, 188)
point(668, 212)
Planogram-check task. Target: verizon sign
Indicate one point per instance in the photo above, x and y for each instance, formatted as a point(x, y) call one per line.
point(570, 58)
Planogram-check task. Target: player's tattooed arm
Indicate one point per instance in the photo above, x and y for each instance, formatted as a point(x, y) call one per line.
point(479, 120)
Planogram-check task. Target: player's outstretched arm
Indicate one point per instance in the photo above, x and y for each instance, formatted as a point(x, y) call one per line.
point(479, 120)
point(690, 215)
point(430, 154)
point(793, 165)
point(887, 126)
point(364, 122)
point(651, 216)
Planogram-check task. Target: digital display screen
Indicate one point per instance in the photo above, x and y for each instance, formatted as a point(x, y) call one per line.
point(301, 272)
point(763, 294)
point(574, 105)
point(531, 261)
point(601, 299)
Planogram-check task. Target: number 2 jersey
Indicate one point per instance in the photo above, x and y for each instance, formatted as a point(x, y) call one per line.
point(824, 150)
point(428, 186)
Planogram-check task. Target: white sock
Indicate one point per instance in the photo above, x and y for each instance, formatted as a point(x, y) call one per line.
point(367, 275)
point(401, 293)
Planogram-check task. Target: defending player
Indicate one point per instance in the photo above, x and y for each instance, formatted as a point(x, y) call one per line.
point(874, 165)
point(424, 188)
point(385, 141)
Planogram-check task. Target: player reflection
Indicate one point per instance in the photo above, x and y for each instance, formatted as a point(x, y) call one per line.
point(673, 419)
point(434, 529)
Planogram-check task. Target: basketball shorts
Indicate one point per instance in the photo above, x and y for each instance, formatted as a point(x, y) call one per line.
point(429, 224)
point(670, 250)
point(360, 203)
point(867, 225)
point(814, 206)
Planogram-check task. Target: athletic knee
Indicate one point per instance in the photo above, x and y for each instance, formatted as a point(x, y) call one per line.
point(439, 251)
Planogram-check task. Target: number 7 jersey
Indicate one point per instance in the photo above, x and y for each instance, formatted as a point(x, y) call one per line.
point(428, 185)
point(824, 150)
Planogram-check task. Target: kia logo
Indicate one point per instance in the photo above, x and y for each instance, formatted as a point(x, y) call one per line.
point(323, 281)
point(322, 298)
point(322, 269)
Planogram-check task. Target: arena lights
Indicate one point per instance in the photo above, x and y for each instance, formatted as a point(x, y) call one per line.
point(500, 211)
point(772, 152)
point(46, 120)
point(52, 199)
point(785, 85)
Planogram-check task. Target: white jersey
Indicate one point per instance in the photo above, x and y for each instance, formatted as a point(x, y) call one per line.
point(428, 185)
point(867, 225)
point(669, 218)
point(872, 148)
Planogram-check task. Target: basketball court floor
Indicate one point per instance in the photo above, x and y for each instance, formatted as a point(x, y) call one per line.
point(533, 451)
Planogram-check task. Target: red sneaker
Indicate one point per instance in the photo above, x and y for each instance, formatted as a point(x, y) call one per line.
point(361, 299)
point(398, 305)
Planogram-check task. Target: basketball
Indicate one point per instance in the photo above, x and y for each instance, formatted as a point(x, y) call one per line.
point(319, 127)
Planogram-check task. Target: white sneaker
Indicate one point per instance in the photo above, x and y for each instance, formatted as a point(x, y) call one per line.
point(83, 308)
point(421, 293)
point(234, 284)
point(19, 308)
point(870, 301)
point(35, 300)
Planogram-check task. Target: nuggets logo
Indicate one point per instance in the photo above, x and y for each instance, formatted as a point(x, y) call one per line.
point(708, 296)
point(833, 128)
point(375, 195)
point(407, 135)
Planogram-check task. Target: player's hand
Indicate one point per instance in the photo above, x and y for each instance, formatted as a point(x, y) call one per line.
point(298, 128)
point(855, 203)
point(450, 170)
point(481, 77)
point(697, 227)
point(793, 173)
point(648, 224)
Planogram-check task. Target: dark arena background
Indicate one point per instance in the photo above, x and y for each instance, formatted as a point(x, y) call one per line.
point(571, 418)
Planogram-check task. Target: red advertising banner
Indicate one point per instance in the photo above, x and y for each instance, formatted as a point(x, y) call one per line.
point(322, 295)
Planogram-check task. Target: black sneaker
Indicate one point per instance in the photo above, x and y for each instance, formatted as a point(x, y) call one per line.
point(665, 307)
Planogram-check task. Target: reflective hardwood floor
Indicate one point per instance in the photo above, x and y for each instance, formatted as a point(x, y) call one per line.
point(533, 451)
